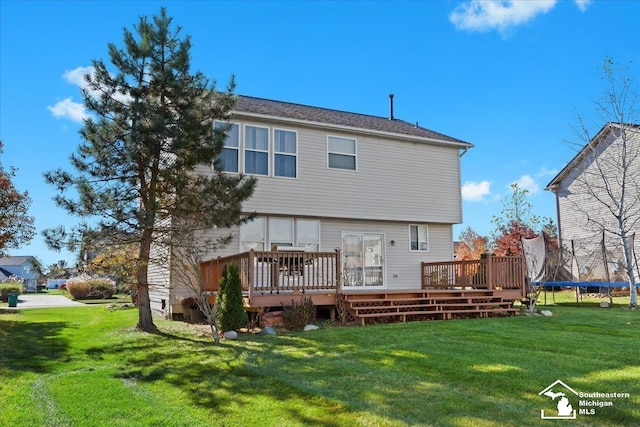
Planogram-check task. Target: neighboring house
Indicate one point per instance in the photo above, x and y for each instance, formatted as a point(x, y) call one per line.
point(384, 192)
point(22, 267)
point(587, 190)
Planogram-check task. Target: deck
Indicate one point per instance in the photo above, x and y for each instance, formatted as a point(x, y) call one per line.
point(452, 289)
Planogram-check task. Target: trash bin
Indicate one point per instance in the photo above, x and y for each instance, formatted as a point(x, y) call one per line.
point(13, 300)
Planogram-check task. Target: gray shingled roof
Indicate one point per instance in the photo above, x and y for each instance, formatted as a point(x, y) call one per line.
point(289, 110)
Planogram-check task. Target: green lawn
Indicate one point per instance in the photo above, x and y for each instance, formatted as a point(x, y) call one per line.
point(88, 367)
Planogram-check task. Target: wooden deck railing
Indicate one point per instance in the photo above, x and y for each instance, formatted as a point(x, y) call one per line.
point(277, 271)
point(492, 272)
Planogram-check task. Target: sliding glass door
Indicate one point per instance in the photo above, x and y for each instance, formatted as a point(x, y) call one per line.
point(362, 260)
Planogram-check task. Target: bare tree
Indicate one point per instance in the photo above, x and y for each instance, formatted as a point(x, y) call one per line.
point(602, 183)
point(187, 252)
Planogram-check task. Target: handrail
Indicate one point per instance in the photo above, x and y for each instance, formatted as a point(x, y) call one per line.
point(277, 271)
point(491, 272)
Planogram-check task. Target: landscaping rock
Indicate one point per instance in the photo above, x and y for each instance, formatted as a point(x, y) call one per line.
point(546, 313)
point(230, 335)
point(268, 331)
point(308, 328)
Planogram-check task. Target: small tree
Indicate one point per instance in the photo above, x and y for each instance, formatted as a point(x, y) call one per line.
point(16, 225)
point(232, 313)
point(472, 245)
point(188, 253)
point(222, 285)
point(118, 262)
point(517, 222)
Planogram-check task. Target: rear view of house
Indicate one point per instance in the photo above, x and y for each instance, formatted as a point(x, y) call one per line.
point(379, 193)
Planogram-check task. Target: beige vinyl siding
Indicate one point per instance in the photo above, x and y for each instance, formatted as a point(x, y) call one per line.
point(395, 180)
point(159, 279)
point(402, 265)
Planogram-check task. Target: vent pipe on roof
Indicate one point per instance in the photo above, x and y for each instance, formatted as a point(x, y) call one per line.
point(390, 106)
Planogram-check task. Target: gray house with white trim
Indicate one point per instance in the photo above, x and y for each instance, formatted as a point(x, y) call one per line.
point(589, 191)
point(383, 191)
point(22, 267)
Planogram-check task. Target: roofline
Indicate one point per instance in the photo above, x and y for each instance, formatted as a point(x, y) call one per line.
point(593, 142)
point(460, 144)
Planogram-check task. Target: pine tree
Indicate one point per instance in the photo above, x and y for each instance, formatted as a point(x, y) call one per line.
point(151, 123)
point(217, 305)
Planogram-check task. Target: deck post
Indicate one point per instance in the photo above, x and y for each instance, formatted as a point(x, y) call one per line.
point(337, 279)
point(251, 272)
point(490, 284)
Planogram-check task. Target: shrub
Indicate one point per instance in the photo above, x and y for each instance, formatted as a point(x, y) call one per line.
point(9, 288)
point(102, 288)
point(78, 290)
point(85, 286)
point(299, 314)
point(232, 313)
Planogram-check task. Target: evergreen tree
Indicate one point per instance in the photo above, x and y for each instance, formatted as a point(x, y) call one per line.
point(217, 305)
point(151, 123)
point(232, 313)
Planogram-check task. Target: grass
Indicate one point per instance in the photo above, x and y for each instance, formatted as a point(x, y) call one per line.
point(88, 367)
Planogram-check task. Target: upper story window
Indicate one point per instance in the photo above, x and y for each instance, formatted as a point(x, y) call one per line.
point(285, 153)
point(256, 150)
point(228, 161)
point(341, 153)
point(419, 238)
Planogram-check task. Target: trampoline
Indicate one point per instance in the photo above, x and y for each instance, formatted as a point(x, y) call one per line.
point(579, 286)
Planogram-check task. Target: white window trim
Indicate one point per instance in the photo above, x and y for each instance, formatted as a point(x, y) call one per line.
point(355, 154)
point(384, 257)
point(264, 233)
point(269, 242)
point(238, 148)
point(428, 244)
point(273, 155)
point(292, 230)
point(298, 243)
point(268, 151)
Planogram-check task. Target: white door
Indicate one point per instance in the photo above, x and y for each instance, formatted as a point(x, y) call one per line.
point(363, 264)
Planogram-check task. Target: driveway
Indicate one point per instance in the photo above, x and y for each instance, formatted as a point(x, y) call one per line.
point(44, 301)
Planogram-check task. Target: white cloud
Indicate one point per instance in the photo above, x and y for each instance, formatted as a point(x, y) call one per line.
point(485, 15)
point(69, 109)
point(76, 76)
point(76, 111)
point(546, 172)
point(527, 183)
point(476, 191)
point(582, 4)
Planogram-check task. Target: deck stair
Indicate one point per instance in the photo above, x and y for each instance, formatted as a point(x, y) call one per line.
point(406, 306)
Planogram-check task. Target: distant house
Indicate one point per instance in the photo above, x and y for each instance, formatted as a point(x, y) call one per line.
point(384, 192)
point(22, 267)
point(587, 192)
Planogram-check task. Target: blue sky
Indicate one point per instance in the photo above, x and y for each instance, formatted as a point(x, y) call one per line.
point(509, 77)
